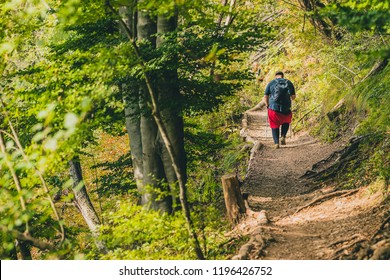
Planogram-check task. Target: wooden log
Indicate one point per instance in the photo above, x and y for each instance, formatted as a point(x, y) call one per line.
point(234, 202)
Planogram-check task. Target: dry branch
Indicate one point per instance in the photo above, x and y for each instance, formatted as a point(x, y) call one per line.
point(305, 115)
point(378, 66)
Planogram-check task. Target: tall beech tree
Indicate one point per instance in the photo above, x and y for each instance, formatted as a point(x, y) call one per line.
point(156, 171)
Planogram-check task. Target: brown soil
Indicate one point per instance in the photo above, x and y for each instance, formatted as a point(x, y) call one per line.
point(334, 228)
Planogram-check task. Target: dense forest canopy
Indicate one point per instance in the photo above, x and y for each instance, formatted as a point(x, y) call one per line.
point(118, 118)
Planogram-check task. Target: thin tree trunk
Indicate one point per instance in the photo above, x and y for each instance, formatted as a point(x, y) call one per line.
point(219, 22)
point(83, 202)
point(229, 18)
point(228, 21)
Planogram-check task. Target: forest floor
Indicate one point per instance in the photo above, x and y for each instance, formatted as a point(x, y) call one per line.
point(342, 224)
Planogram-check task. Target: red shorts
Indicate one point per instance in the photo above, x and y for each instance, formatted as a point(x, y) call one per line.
point(276, 119)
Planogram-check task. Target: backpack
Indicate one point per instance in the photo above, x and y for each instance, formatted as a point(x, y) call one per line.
point(280, 97)
point(281, 91)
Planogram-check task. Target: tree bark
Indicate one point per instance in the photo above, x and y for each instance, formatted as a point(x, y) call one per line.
point(133, 127)
point(169, 99)
point(153, 171)
point(131, 99)
point(129, 16)
point(83, 202)
point(234, 202)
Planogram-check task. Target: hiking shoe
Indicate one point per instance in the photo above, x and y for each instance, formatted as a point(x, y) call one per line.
point(283, 141)
point(276, 146)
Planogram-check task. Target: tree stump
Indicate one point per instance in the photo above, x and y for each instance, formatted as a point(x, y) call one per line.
point(234, 202)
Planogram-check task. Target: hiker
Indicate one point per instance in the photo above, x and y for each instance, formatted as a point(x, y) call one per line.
point(278, 95)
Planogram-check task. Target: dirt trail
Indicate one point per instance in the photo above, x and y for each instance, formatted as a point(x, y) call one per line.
point(325, 230)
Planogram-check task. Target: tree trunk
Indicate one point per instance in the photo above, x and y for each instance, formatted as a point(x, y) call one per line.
point(133, 127)
point(129, 16)
point(83, 202)
point(154, 194)
point(131, 99)
point(170, 107)
point(153, 96)
point(319, 23)
point(234, 202)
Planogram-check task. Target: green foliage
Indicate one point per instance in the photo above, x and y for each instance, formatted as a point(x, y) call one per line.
point(119, 179)
point(357, 15)
point(370, 163)
point(371, 98)
point(133, 233)
point(63, 71)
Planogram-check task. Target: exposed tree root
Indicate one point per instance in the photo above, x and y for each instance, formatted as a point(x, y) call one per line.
point(326, 197)
point(382, 226)
point(377, 247)
point(253, 248)
point(335, 163)
point(340, 252)
point(346, 240)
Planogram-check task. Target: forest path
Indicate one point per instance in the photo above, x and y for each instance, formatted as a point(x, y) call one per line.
point(275, 185)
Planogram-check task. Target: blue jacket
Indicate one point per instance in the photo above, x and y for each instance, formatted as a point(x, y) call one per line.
point(285, 105)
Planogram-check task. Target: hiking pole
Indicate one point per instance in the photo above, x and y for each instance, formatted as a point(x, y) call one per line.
point(266, 124)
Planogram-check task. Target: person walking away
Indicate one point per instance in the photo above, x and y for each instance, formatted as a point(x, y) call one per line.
point(278, 96)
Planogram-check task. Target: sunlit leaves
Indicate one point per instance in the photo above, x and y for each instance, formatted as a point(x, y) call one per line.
point(357, 15)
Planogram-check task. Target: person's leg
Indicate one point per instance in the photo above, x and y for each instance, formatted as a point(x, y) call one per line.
point(285, 127)
point(274, 123)
point(275, 135)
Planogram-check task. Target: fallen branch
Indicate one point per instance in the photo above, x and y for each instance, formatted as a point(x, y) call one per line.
point(378, 66)
point(327, 196)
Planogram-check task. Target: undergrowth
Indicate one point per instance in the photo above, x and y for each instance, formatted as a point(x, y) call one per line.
point(213, 148)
